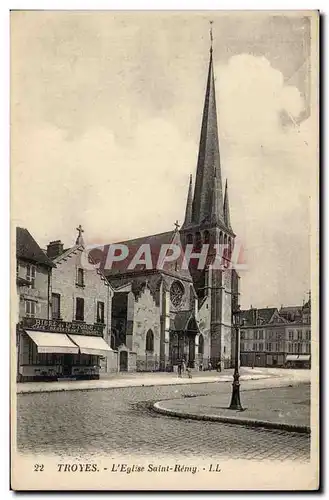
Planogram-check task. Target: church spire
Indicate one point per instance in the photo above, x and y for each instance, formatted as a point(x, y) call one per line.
point(208, 195)
point(227, 217)
point(188, 211)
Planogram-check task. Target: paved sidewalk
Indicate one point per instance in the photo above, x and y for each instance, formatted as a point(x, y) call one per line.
point(285, 408)
point(119, 380)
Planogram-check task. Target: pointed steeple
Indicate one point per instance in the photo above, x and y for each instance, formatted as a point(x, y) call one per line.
point(188, 211)
point(208, 195)
point(227, 217)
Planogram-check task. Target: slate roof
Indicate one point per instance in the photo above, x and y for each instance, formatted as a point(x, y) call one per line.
point(290, 310)
point(28, 249)
point(265, 314)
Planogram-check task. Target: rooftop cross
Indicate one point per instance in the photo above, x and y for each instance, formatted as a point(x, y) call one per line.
point(79, 240)
point(177, 225)
point(80, 230)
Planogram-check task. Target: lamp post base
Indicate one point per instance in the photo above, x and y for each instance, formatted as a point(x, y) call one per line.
point(235, 400)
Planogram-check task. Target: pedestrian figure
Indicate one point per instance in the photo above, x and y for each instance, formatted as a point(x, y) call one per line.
point(179, 368)
point(219, 366)
point(188, 370)
point(184, 366)
point(209, 366)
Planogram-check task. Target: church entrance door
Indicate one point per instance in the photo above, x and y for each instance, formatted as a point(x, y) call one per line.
point(123, 361)
point(191, 349)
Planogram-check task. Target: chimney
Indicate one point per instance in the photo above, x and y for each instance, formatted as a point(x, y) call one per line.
point(254, 316)
point(54, 249)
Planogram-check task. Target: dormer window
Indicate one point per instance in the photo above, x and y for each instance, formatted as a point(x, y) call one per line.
point(30, 274)
point(80, 277)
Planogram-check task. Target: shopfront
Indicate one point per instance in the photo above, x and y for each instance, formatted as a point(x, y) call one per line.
point(298, 361)
point(54, 349)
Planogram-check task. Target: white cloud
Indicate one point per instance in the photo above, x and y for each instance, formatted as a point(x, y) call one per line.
point(269, 167)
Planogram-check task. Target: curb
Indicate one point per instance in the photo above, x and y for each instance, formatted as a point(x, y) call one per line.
point(111, 387)
point(303, 429)
point(165, 383)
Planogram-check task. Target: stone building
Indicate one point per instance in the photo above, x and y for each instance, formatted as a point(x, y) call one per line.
point(298, 337)
point(82, 298)
point(270, 337)
point(64, 313)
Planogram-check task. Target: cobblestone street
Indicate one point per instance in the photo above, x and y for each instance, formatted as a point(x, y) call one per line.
point(115, 421)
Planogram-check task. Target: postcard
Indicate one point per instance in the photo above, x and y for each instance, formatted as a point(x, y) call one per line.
point(164, 250)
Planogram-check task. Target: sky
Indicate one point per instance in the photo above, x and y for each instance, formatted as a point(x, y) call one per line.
point(106, 112)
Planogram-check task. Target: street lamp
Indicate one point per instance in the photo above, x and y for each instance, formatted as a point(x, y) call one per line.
point(235, 399)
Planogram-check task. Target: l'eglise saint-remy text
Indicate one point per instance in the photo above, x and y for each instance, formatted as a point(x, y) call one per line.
point(129, 469)
point(192, 469)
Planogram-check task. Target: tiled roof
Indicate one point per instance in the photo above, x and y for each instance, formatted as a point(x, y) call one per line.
point(27, 248)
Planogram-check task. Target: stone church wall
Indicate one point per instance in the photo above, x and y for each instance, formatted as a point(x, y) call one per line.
point(146, 317)
point(204, 325)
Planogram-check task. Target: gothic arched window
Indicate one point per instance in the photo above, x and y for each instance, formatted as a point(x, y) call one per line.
point(149, 341)
point(198, 241)
point(189, 239)
point(221, 238)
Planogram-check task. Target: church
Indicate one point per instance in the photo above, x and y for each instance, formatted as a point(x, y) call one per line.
point(83, 318)
point(161, 316)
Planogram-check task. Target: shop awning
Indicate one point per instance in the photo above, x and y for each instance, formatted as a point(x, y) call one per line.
point(56, 343)
point(304, 357)
point(292, 357)
point(88, 344)
point(298, 357)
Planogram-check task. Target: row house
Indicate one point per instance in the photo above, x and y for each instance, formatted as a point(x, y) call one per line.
point(262, 338)
point(33, 288)
point(269, 338)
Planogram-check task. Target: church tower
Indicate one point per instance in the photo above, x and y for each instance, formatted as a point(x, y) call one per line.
point(207, 221)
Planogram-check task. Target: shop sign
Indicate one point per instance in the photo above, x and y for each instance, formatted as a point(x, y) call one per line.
point(58, 326)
